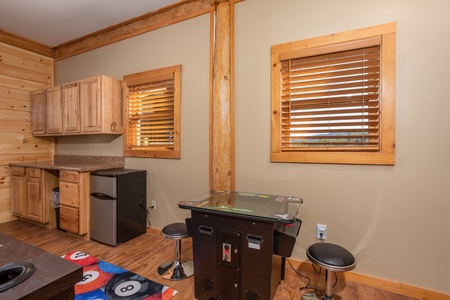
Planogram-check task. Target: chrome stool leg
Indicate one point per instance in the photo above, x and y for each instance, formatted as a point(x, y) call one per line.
point(178, 269)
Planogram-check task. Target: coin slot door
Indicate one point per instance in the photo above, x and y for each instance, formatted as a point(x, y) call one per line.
point(228, 261)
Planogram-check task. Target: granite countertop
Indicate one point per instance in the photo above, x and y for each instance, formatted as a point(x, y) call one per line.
point(76, 163)
point(54, 275)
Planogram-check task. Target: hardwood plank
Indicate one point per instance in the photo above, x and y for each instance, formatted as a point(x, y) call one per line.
point(5, 182)
point(144, 254)
point(24, 148)
point(141, 255)
point(5, 192)
point(7, 94)
point(13, 104)
point(14, 126)
point(4, 171)
point(6, 216)
point(19, 116)
point(21, 84)
point(25, 74)
point(8, 158)
point(22, 59)
point(22, 136)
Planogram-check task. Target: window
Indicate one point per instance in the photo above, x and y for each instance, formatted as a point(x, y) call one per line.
point(152, 113)
point(333, 98)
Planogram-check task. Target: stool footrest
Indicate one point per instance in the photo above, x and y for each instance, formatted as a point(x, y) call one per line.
point(176, 270)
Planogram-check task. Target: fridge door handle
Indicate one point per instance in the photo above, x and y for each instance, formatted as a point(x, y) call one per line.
point(102, 196)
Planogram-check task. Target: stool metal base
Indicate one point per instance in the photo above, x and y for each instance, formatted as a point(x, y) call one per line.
point(176, 270)
point(313, 296)
point(310, 296)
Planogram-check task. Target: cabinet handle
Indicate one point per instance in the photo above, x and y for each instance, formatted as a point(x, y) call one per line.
point(114, 127)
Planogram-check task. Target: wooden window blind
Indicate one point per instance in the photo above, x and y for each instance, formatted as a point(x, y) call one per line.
point(153, 113)
point(330, 102)
point(333, 98)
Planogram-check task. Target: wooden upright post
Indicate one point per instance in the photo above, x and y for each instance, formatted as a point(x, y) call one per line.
point(222, 110)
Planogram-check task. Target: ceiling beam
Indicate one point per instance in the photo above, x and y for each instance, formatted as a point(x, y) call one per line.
point(26, 44)
point(171, 14)
point(216, 2)
point(165, 16)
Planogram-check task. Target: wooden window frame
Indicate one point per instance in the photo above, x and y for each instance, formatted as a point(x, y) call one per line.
point(353, 39)
point(131, 147)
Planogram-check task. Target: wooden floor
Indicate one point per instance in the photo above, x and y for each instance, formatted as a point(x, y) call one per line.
point(143, 255)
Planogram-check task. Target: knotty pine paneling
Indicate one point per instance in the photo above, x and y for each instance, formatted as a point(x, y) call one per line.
point(21, 72)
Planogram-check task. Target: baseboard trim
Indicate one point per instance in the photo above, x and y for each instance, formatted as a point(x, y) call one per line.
point(154, 231)
point(378, 283)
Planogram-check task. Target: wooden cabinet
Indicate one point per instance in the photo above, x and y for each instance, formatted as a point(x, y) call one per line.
point(38, 109)
point(36, 208)
point(101, 105)
point(19, 204)
point(74, 199)
point(88, 106)
point(31, 194)
point(71, 108)
point(53, 109)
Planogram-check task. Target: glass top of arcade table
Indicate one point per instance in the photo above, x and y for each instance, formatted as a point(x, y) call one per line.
point(271, 207)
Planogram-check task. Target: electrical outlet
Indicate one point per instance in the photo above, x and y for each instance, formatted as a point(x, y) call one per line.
point(153, 204)
point(321, 229)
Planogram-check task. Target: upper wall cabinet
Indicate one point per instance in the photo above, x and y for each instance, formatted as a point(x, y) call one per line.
point(88, 106)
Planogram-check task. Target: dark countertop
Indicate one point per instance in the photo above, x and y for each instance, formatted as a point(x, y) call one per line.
point(76, 163)
point(54, 275)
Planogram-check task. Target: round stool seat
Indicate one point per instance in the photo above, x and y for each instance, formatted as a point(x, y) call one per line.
point(177, 269)
point(175, 231)
point(331, 256)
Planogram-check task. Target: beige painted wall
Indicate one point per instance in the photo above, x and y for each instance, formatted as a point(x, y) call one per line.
point(394, 219)
point(168, 181)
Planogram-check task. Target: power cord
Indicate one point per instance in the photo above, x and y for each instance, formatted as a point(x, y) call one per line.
point(298, 273)
point(148, 216)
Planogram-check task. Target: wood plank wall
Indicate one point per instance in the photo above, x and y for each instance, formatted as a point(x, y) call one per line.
point(21, 72)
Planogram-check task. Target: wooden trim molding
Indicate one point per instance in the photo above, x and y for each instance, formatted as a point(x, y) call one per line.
point(171, 14)
point(361, 279)
point(165, 16)
point(26, 44)
point(378, 283)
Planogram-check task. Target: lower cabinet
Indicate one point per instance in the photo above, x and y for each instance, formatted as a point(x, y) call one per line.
point(74, 201)
point(32, 197)
point(31, 194)
point(19, 198)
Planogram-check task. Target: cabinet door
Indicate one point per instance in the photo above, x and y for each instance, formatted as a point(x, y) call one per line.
point(69, 194)
point(91, 105)
point(19, 205)
point(35, 206)
point(38, 112)
point(69, 219)
point(71, 107)
point(53, 110)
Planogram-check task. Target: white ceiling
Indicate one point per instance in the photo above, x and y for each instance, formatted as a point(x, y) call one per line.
point(53, 22)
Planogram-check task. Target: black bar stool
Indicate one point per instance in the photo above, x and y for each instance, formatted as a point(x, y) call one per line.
point(331, 257)
point(178, 269)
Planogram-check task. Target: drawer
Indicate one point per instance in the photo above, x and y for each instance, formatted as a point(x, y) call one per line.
point(69, 194)
point(32, 172)
point(18, 171)
point(69, 219)
point(69, 176)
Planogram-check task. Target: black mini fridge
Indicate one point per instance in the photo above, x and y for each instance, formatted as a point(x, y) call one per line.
point(118, 205)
